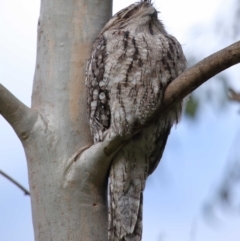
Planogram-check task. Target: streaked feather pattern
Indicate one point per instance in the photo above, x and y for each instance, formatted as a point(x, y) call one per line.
point(132, 61)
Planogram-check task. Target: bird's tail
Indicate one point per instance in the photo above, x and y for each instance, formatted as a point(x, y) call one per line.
point(126, 184)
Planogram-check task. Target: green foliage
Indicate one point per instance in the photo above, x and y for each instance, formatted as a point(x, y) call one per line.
point(192, 107)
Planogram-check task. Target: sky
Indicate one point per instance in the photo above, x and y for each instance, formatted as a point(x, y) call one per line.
point(196, 154)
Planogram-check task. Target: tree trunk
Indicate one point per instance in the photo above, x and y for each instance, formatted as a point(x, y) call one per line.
point(66, 203)
point(67, 173)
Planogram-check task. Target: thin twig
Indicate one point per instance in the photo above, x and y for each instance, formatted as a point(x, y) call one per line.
point(233, 95)
point(26, 192)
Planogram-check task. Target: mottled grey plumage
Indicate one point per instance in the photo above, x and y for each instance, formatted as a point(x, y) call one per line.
point(133, 60)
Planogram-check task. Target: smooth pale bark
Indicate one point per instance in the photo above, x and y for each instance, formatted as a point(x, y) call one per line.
point(18, 115)
point(68, 200)
point(67, 174)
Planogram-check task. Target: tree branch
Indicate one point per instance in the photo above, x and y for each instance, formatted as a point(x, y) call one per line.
point(233, 95)
point(95, 161)
point(26, 192)
point(18, 115)
point(192, 78)
point(174, 93)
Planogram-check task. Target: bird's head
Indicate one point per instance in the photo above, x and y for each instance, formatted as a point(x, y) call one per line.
point(141, 16)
